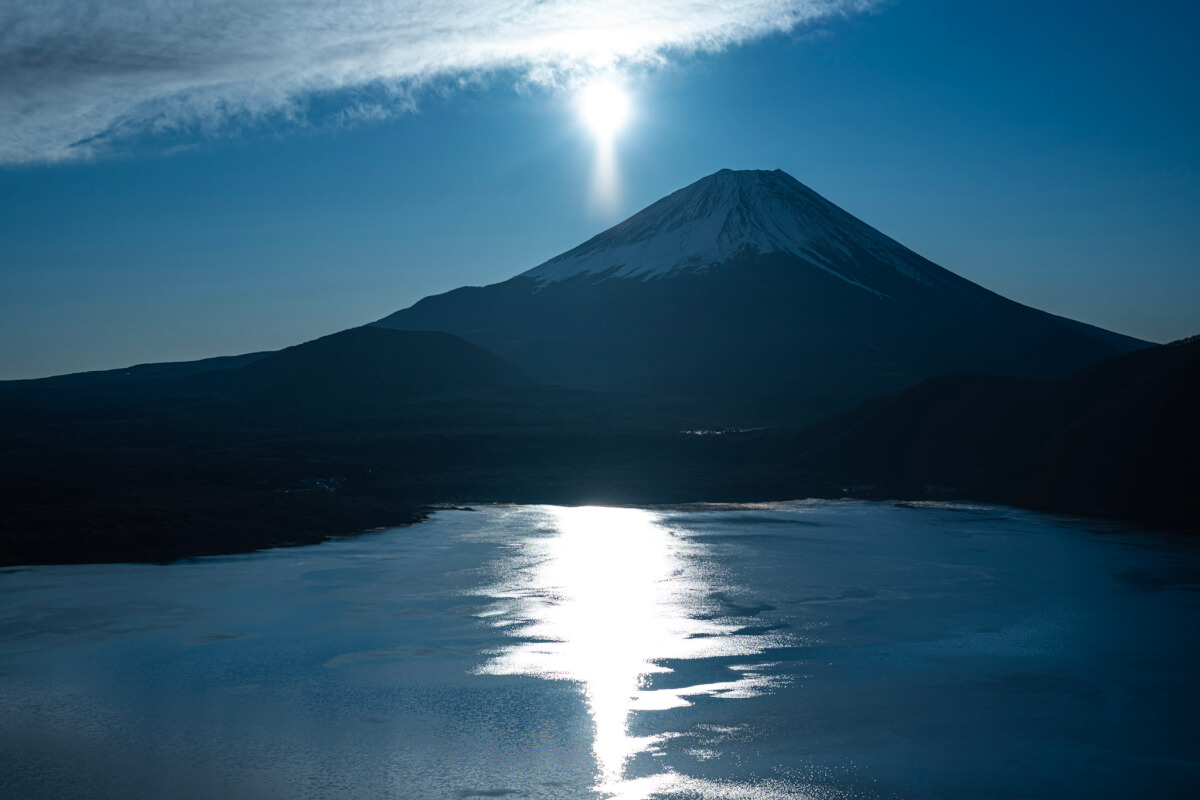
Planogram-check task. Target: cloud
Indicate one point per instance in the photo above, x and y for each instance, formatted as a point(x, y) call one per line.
point(79, 77)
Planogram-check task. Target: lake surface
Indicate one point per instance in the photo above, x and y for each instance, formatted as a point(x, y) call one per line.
point(797, 650)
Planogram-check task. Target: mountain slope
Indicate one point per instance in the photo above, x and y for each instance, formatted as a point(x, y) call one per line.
point(136, 377)
point(1120, 438)
point(335, 376)
point(368, 360)
point(751, 298)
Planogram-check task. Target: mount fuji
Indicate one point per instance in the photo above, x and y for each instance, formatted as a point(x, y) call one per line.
point(747, 296)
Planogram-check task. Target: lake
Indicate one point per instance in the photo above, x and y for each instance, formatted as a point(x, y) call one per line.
point(757, 652)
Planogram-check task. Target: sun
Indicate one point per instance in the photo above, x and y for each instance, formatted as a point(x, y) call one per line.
point(605, 108)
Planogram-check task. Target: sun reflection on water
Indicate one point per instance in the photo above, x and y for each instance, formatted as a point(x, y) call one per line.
point(606, 599)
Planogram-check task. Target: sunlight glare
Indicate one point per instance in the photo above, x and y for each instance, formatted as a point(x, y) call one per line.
point(605, 108)
point(604, 600)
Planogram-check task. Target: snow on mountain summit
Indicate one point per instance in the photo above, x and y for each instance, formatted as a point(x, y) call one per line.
point(731, 214)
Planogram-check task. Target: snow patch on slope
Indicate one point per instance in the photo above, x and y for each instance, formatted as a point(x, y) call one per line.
point(732, 214)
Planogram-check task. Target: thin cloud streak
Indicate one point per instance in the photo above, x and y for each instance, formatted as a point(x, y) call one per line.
point(79, 77)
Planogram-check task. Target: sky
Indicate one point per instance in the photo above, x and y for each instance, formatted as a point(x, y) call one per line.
point(190, 178)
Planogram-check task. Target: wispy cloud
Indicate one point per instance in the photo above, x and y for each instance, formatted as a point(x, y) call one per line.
point(78, 77)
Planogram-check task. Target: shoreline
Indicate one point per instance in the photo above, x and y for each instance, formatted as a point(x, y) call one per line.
point(121, 537)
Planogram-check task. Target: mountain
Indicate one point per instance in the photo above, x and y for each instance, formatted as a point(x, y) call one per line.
point(350, 431)
point(1119, 438)
point(750, 298)
point(745, 303)
point(136, 376)
point(362, 363)
point(367, 361)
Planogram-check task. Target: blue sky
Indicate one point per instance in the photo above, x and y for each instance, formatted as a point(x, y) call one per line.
point(1046, 151)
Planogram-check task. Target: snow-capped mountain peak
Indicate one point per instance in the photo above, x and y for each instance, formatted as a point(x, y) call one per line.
point(747, 292)
point(728, 215)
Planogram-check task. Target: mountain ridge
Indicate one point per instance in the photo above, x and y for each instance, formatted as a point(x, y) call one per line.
point(1117, 438)
point(364, 427)
point(749, 294)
